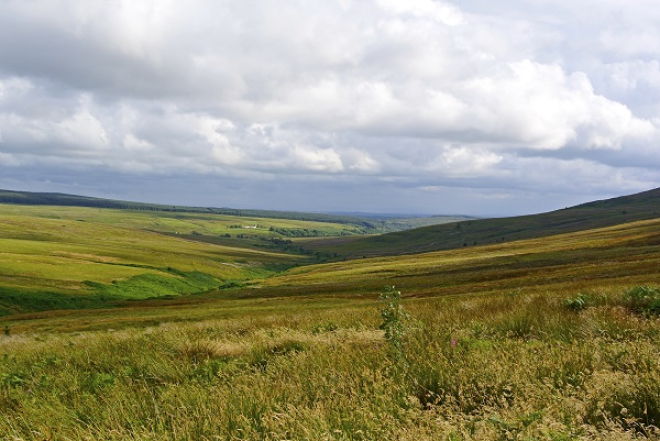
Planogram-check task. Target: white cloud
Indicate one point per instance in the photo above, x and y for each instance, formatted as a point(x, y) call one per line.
point(325, 160)
point(75, 131)
point(81, 129)
point(133, 143)
point(359, 161)
point(630, 76)
point(465, 162)
point(422, 9)
point(214, 132)
point(421, 90)
point(7, 160)
point(14, 87)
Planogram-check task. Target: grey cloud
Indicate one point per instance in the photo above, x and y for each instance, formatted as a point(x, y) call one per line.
point(398, 98)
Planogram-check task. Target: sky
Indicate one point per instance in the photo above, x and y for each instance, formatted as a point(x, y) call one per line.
point(418, 106)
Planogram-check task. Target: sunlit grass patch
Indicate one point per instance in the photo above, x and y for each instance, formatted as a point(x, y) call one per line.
point(49, 251)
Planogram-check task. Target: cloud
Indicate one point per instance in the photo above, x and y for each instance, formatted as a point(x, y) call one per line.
point(423, 9)
point(433, 94)
point(132, 143)
point(464, 162)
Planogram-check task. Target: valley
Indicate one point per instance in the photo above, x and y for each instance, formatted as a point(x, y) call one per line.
point(141, 324)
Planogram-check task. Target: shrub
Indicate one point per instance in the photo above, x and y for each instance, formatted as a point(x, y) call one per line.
point(644, 299)
point(578, 303)
point(325, 327)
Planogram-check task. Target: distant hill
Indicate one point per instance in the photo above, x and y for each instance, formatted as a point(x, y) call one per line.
point(61, 199)
point(370, 223)
point(454, 235)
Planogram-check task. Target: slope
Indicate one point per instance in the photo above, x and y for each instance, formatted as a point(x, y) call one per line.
point(68, 200)
point(621, 255)
point(596, 214)
point(81, 257)
point(353, 222)
point(526, 365)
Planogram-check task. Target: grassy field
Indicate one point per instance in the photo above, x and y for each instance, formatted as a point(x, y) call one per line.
point(181, 223)
point(541, 339)
point(489, 367)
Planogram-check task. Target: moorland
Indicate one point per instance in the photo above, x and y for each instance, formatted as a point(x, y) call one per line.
point(149, 323)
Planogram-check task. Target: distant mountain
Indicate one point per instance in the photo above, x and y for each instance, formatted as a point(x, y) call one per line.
point(587, 216)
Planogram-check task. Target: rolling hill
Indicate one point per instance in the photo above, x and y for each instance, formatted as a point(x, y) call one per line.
point(598, 214)
point(622, 255)
point(367, 223)
point(68, 200)
point(73, 257)
point(81, 253)
point(55, 257)
point(543, 338)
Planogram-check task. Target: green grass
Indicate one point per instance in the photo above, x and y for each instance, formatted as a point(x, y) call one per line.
point(71, 201)
point(198, 224)
point(477, 368)
point(84, 255)
point(63, 257)
point(554, 338)
point(348, 223)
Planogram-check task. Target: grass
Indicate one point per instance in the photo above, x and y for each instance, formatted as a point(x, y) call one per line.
point(551, 338)
point(478, 368)
point(645, 299)
point(62, 257)
point(352, 222)
point(70, 257)
point(623, 255)
point(203, 224)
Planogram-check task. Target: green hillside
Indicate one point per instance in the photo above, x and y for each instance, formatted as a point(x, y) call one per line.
point(70, 255)
point(365, 223)
point(67, 200)
point(55, 257)
point(553, 338)
point(624, 255)
point(597, 214)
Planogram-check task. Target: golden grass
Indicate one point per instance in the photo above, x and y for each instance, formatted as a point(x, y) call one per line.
point(623, 255)
point(490, 351)
point(477, 368)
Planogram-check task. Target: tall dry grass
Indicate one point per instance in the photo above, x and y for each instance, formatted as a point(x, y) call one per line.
point(514, 367)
